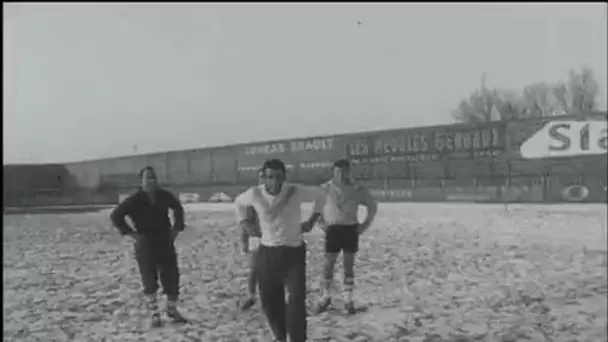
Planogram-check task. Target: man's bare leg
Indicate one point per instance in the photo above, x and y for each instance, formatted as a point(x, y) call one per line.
point(252, 280)
point(327, 281)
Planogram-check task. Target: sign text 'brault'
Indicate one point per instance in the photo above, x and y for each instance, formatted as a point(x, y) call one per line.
point(305, 145)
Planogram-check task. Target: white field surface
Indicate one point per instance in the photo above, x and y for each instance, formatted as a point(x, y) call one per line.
point(426, 272)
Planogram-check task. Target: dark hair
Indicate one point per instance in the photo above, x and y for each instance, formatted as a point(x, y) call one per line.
point(342, 164)
point(274, 164)
point(147, 168)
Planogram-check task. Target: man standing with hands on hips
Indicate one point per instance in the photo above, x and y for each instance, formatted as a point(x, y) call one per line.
point(154, 239)
point(342, 230)
point(281, 256)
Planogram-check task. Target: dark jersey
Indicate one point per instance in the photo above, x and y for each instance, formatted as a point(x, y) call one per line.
point(150, 219)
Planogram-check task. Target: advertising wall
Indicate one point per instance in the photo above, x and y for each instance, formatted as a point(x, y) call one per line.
point(550, 159)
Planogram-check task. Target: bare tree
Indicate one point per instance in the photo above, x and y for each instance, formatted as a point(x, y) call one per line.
point(562, 97)
point(583, 89)
point(543, 99)
point(577, 96)
point(480, 106)
point(489, 105)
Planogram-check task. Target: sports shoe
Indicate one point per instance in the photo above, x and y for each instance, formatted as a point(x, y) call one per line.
point(152, 307)
point(248, 304)
point(350, 308)
point(156, 322)
point(175, 315)
point(323, 305)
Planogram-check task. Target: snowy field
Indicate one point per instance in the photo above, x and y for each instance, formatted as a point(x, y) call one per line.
point(426, 272)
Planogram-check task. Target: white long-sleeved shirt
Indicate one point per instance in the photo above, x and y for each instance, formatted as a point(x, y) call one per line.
point(281, 228)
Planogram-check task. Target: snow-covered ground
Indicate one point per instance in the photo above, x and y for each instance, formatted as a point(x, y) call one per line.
point(530, 272)
point(564, 223)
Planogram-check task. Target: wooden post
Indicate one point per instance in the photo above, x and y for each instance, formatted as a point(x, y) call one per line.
point(505, 156)
point(507, 186)
point(167, 176)
point(212, 166)
point(189, 167)
point(386, 165)
point(543, 184)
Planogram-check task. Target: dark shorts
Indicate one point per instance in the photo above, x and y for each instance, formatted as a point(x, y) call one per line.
point(343, 238)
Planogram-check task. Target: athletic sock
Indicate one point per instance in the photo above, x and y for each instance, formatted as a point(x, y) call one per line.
point(173, 312)
point(152, 305)
point(326, 285)
point(349, 285)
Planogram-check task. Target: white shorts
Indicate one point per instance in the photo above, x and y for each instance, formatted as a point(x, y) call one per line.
point(254, 244)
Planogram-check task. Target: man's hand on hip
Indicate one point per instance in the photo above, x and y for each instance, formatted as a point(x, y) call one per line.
point(245, 249)
point(361, 228)
point(174, 234)
point(133, 237)
point(306, 226)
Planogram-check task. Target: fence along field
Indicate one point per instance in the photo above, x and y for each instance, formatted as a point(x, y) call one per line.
point(460, 162)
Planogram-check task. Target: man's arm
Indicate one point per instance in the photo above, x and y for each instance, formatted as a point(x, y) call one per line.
point(317, 196)
point(178, 212)
point(372, 207)
point(244, 227)
point(118, 215)
point(249, 227)
point(242, 203)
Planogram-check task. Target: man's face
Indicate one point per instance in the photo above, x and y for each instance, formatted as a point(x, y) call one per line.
point(148, 180)
point(342, 174)
point(273, 180)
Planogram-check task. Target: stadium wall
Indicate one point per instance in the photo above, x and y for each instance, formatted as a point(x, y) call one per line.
point(436, 163)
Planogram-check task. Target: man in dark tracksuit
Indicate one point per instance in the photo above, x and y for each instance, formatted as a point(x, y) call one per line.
point(154, 239)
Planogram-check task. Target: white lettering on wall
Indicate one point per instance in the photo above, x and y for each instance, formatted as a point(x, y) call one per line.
point(312, 145)
point(305, 145)
point(265, 149)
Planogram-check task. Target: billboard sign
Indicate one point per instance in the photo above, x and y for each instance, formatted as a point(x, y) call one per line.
point(429, 143)
point(567, 139)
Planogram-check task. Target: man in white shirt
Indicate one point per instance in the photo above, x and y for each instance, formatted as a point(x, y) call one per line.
point(251, 243)
point(281, 256)
point(342, 229)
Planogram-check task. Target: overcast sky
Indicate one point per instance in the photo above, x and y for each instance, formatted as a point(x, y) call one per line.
point(85, 81)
